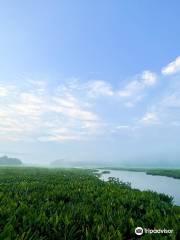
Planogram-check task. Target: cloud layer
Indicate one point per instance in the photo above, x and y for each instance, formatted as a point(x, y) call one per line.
point(38, 111)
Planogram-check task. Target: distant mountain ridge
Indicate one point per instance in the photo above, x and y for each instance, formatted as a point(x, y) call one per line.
point(5, 160)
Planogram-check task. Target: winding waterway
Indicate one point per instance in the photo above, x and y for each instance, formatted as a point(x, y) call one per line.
point(142, 181)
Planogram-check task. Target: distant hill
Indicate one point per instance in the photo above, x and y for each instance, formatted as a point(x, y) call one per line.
point(58, 162)
point(5, 160)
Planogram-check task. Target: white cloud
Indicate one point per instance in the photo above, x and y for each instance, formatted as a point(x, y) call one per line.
point(33, 111)
point(131, 89)
point(29, 104)
point(57, 134)
point(123, 127)
point(69, 106)
point(30, 114)
point(150, 118)
point(146, 79)
point(99, 88)
point(5, 90)
point(149, 78)
point(37, 83)
point(172, 67)
point(166, 109)
point(171, 101)
point(134, 91)
point(59, 138)
point(74, 110)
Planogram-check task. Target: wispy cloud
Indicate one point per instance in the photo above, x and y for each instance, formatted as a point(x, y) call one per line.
point(172, 67)
point(166, 109)
point(30, 114)
point(172, 100)
point(99, 88)
point(74, 110)
point(150, 118)
point(148, 78)
point(69, 106)
point(133, 92)
point(123, 127)
point(5, 90)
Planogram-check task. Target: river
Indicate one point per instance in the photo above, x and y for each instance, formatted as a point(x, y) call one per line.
point(142, 181)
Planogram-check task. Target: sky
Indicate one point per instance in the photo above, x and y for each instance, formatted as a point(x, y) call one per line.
point(90, 81)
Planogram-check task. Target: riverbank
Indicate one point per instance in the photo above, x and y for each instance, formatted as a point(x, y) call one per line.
point(144, 182)
point(174, 173)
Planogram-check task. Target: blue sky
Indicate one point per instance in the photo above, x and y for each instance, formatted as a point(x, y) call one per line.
point(91, 81)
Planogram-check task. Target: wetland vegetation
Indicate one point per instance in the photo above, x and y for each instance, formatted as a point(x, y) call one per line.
point(37, 203)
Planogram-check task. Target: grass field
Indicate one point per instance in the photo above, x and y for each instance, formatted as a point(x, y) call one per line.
point(41, 204)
